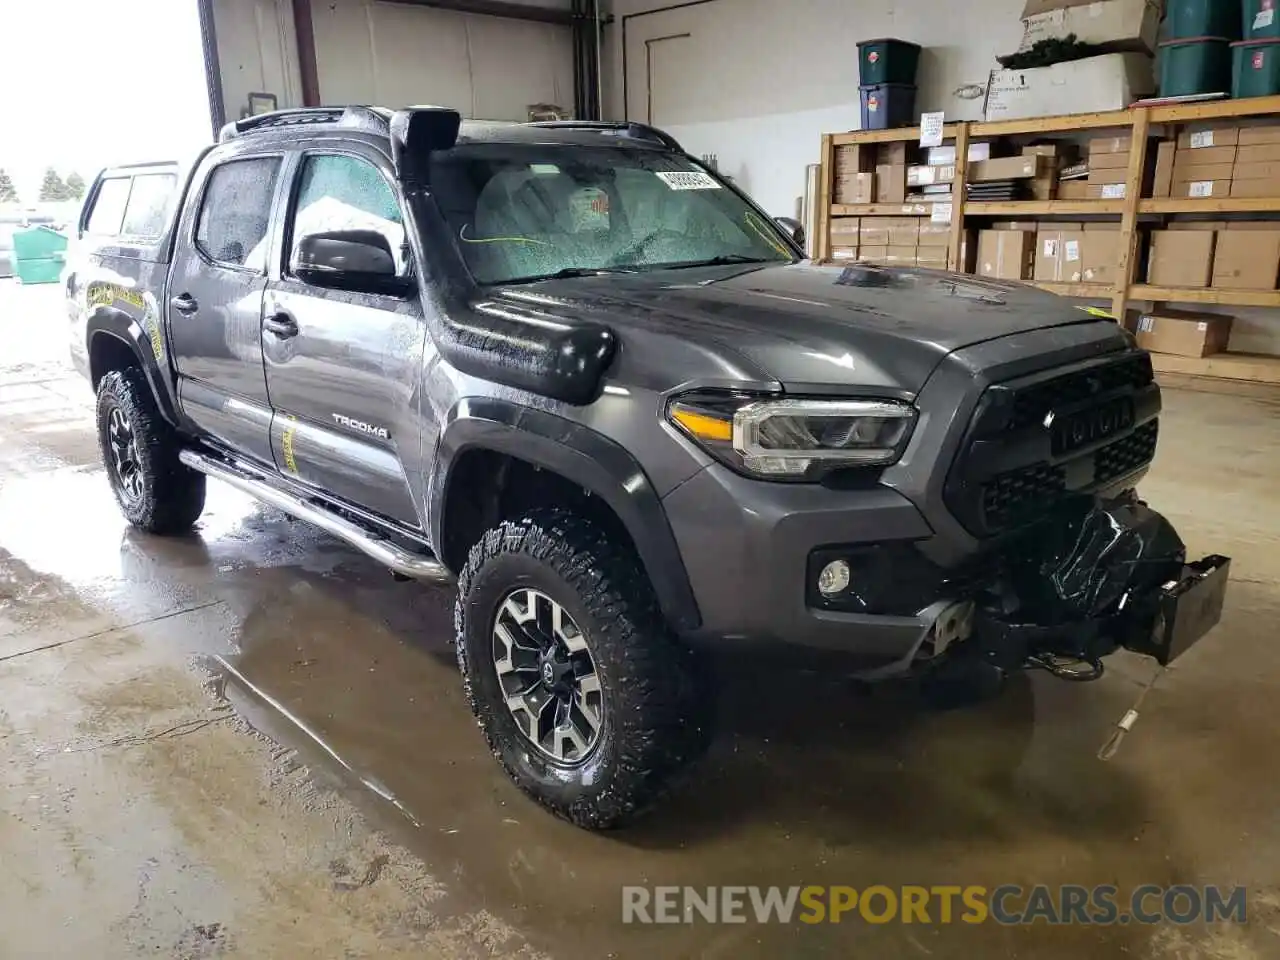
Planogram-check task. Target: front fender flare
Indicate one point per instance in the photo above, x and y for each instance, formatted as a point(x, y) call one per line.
point(583, 456)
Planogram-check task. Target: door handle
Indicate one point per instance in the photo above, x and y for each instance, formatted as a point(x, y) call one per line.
point(282, 325)
point(184, 303)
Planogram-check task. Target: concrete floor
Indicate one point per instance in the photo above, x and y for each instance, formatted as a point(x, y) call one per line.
point(252, 743)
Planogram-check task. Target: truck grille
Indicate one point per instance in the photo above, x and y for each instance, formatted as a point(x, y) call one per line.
point(1032, 442)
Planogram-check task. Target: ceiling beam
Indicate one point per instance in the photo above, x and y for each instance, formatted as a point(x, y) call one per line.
point(496, 8)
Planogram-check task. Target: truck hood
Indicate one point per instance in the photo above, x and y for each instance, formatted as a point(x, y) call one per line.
point(812, 327)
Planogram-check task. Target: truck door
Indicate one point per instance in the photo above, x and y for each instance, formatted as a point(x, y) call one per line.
point(215, 303)
point(343, 368)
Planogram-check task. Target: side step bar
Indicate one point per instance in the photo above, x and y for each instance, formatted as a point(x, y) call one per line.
point(404, 562)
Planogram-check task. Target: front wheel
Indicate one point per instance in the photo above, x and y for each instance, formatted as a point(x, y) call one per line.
point(155, 490)
point(586, 698)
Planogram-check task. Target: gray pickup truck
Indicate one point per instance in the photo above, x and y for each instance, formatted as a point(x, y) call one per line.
point(571, 368)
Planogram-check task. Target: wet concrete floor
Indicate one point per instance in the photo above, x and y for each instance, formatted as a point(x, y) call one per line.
point(251, 742)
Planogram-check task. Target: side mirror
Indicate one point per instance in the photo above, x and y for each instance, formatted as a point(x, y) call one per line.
point(792, 228)
point(359, 260)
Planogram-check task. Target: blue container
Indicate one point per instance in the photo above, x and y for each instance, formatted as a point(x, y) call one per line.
point(888, 105)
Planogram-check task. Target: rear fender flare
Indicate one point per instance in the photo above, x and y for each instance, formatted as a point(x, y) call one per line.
point(581, 455)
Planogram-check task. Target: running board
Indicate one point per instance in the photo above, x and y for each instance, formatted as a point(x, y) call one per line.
point(402, 561)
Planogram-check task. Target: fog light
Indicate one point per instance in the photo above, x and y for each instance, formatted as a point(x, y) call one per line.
point(834, 578)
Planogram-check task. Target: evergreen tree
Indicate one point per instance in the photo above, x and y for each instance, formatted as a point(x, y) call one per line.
point(52, 188)
point(8, 194)
point(75, 186)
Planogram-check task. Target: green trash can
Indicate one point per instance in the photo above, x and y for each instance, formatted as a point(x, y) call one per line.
point(887, 61)
point(1193, 66)
point(1255, 68)
point(1261, 20)
point(1185, 19)
point(39, 255)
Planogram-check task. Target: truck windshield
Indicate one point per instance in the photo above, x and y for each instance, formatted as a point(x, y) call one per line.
point(523, 213)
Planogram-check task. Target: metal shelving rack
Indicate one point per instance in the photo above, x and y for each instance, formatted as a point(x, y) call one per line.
point(1138, 123)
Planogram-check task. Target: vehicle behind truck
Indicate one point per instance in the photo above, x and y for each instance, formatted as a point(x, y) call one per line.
point(569, 368)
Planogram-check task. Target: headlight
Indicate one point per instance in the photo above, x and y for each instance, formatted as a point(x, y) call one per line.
point(794, 439)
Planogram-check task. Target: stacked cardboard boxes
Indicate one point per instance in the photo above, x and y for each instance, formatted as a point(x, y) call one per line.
point(1228, 256)
point(854, 174)
point(1108, 167)
point(844, 237)
point(1007, 253)
point(1257, 164)
point(1204, 160)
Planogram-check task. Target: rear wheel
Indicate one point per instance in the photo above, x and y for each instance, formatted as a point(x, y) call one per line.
point(156, 492)
point(586, 698)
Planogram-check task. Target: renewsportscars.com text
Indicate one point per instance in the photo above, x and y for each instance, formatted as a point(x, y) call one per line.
point(1008, 904)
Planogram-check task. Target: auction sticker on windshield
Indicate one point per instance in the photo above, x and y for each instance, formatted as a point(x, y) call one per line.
point(687, 180)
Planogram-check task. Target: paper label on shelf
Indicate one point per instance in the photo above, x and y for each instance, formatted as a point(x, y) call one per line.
point(1201, 188)
point(1088, 274)
point(1264, 19)
point(1146, 324)
point(687, 180)
point(1201, 138)
point(941, 213)
point(1113, 191)
point(931, 129)
point(1073, 249)
point(1051, 248)
point(1202, 326)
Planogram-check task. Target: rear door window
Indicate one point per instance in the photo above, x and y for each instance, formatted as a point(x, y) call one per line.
point(149, 203)
point(107, 214)
point(236, 212)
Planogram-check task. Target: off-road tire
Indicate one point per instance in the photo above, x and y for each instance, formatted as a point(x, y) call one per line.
point(656, 692)
point(171, 498)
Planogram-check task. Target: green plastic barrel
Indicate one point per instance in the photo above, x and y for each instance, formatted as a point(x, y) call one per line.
point(1261, 20)
point(1255, 68)
point(1199, 65)
point(41, 270)
point(1185, 19)
point(887, 61)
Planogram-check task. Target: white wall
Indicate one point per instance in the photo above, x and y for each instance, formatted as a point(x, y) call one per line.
point(759, 81)
point(395, 55)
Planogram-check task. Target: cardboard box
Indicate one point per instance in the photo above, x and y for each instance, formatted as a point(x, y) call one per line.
point(1181, 258)
point(874, 232)
point(903, 231)
point(845, 230)
point(855, 158)
point(1100, 145)
point(1186, 172)
point(946, 154)
point(921, 176)
point(895, 153)
point(1206, 155)
point(1102, 226)
point(1099, 257)
point(1197, 225)
point(1246, 259)
point(934, 234)
point(1203, 136)
point(1058, 256)
point(1055, 150)
point(1006, 254)
point(1264, 225)
point(844, 253)
point(1162, 183)
point(1261, 133)
point(1034, 7)
point(1044, 187)
point(1108, 82)
point(1110, 162)
point(1120, 24)
point(1105, 191)
point(1264, 170)
point(935, 258)
point(856, 188)
point(1073, 189)
point(1202, 188)
point(1007, 168)
point(891, 183)
point(1026, 225)
point(1255, 188)
point(873, 254)
point(1183, 332)
point(900, 255)
point(1258, 153)
point(1108, 176)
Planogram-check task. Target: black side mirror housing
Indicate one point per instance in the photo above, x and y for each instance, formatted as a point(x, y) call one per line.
point(792, 228)
point(357, 260)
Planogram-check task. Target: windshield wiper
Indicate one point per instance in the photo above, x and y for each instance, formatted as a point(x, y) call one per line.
point(717, 261)
point(569, 272)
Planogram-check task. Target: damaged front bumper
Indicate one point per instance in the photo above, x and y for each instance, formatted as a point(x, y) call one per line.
point(1094, 577)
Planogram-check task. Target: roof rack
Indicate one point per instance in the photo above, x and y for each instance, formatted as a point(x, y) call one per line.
point(618, 128)
point(374, 119)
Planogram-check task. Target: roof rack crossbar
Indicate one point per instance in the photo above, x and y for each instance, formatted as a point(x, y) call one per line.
point(359, 117)
point(629, 128)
